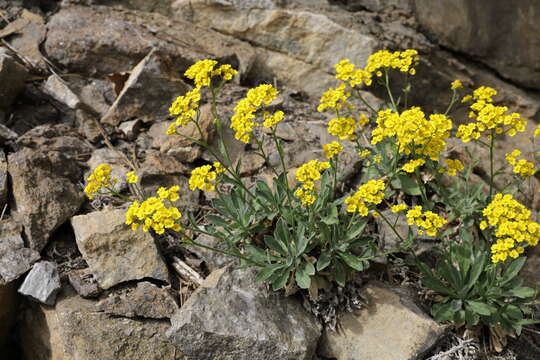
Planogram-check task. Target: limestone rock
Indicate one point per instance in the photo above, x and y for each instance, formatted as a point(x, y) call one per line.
point(73, 329)
point(131, 128)
point(42, 283)
point(145, 300)
point(84, 283)
point(151, 179)
point(15, 259)
point(45, 193)
point(12, 79)
point(60, 91)
point(114, 252)
point(213, 259)
point(372, 334)
point(135, 101)
point(231, 317)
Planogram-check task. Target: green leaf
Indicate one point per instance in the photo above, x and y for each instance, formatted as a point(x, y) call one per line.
point(324, 260)
point(480, 307)
point(356, 230)
point(280, 280)
point(267, 272)
point(513, 269)
point(217, 221)
point(407, 184)
point(522, 292)
point(275, 245)
point(281, 233)
point(353, 261)
point(443, 312)
point(301, 239)
point(340, 273)
point(303, 275)
point(256, 254)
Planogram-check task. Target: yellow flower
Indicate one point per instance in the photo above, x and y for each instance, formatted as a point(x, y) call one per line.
point(203, 178)
point(332, 149)
point(537, 131)
point(364, 153)
point(307, 174)
point(131, 177)
point(454, 166)
point(154, 214)
point(456, 84)
point(170, 194)
point(400, 60)
point(220, 169)
point(185, 108)
point(521, 167)
point(171, 130)
point(427, 221)
point(398, 208)
point(369, 194)
point(343, 127)
point(272, 120)
point(334, 98)
point(307, 198)
point(201, 72)
point(100, 178)
point(411, 166)
point(377, 159)
point(346, 71)
point(225, 71)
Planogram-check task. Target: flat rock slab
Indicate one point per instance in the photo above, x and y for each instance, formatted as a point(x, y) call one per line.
point(42, 283)
point(392, 327)
point(74, 330)
point(144, 300)
point(84, 283)
point(114, 252)
point(231, 317)
point(15, 259)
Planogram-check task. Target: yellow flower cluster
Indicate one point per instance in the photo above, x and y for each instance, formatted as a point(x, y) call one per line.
point(364, 153)
point(204, 178)
point(100, 178)
point(154, 214)
point(347, 71)
point(202, 72)
point(307, 174)
point(521, 167)
point(131, 177)
point(454, 166)
point(272, 119)
point(242, 122)
point(537, 131)
point(411, 165)
point(343, 127)
point(513, 227)
point(371, 193)
point(489, 117)
point(185, 108)
point(413, 132)
point(456, 84)
point(332, 149)
point(335, 99)
point(398, 208)
point(427, 221)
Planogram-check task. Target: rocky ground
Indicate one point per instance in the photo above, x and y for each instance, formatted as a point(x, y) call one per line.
point(75, 283)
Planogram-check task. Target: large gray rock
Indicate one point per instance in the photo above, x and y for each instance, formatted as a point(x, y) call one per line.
point(231, 317)
point(12, 78)
point(74, 330)
point(136, 101)
point(45, 192)
point(143, 300)
point(15, 259)
point(42, 283)
point(391, 327)
point(491, 31)
point(114, 252)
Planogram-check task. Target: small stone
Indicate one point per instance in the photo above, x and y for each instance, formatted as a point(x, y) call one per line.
point(42, 283)
point(15, 259)
point(60, 91)
point(145, 300)
point(213, 259)
point(131, 128)
point(12, 79)
point(390, 327)
point(6, 134)
point(84, 283)
point(114, 252)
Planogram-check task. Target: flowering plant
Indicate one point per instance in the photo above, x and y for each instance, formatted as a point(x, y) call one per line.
point(300, 233)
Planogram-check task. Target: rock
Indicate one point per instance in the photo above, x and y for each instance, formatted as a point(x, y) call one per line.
point(12, 77)
point(88, 125)
point(231, 317)
point(387, 237)
point(378, 5)
point(73, 329)
point(151, 180)
point(213, 259)
point(114, 252)
point(131, 128)
point(3, 181)
point(60, 91)
point(145, 300)
point(251, 164)
point(135, 101)
point(107, 156)
point(104, 40)
point(491, 35)
point(6, 134)
point(15, 259)
point(42, 283)
point(25, 35)
point(371, 333)
point(45, 193)
point(84, 283)
point(8, 311)
point(157, 163)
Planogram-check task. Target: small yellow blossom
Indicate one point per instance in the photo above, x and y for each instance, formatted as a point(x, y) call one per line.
point(411, 166)
point(454, 166)
point(521, 167)
point(219, 168)
point(364, 153)
point(203, 178)
point(185, 108)
point(99, 179)
point(131, 177)
point(170, 194)
point(398, 208)
point(332, 149)
point(307, 174)
point(343, 127)
point(427, 221)
point(377, 159)
point(272, 120)
point(369, 194)
point(537, 131)
point(456, 84)
point(334, 98)
point(171, 130)
point(153, 214)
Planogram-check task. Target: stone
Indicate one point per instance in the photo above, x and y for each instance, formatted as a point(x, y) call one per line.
point(231, 317)
point(12, 77)
point(114, 252)
point(119, 168)
point(25, 35)
point(157, 163)
point(213, 259)
point(136, 102)
point(371, 333)
point(388, 239)
point(3, 181)
point(15, 259)
point(84, 283)
point(251, 164)
point(491, 35)
point(9, 302)
point(88, 125)
point(6, 134)
point(151, 180)
point(60, 91)
point(131, 128)
point(145, 300)
point(45, 192)
point(42, 283)
point(73, 329)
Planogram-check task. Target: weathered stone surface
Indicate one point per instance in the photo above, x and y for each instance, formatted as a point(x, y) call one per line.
point(45, 193)
point(8, 311)
point(106, 40)
point(131, 128)
point(74, 330)
point(213, 259)
point(157, 163)
point(489, 33)
point(15, 259)
point(3, 180)
point(145, 300)
point(42, 283)
point(84, 283)
point(371, 333)
point(6, 134)
point(135, 101)
point(231, 317)
point(60, 91)
point(114, 252)
point(12, 78)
